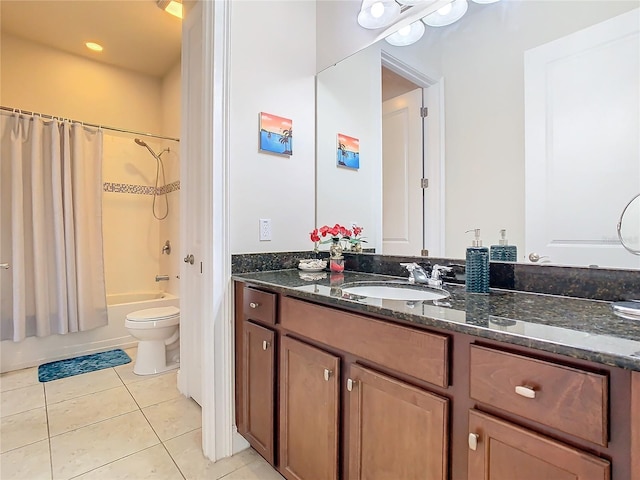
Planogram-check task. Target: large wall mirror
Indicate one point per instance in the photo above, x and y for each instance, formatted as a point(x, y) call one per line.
point(532, 126)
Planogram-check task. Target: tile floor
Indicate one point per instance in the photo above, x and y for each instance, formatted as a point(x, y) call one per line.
point(110, 424)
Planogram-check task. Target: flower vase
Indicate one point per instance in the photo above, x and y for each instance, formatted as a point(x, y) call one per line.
point(335, 250)
point(356, 247)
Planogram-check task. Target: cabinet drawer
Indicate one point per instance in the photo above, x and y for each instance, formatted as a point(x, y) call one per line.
point(259, 306)
point(421, 354)
point(564, 398)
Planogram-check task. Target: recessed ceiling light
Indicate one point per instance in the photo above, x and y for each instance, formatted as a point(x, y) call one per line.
point(173, 7)
point(96, 47)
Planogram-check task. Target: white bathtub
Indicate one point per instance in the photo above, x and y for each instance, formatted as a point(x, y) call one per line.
point(121, 304)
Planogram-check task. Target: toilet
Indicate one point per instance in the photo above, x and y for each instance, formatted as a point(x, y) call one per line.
point(157, 330)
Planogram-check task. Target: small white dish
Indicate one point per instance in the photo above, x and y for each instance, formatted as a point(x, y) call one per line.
point(312, 265)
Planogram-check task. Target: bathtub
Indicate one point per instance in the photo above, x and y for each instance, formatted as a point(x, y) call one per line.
point(121, 304)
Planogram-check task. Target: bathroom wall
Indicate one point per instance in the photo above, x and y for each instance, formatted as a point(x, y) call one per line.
point(272, 68)
point(37, 78)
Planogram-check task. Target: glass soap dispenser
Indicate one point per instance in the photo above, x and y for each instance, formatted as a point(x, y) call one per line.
point(503, 252)
point(477, 267)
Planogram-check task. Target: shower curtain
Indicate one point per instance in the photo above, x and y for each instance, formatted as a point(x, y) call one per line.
point(51, 227)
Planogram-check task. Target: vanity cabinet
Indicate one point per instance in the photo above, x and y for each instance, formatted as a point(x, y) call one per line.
point(499, 450)
point(395, 429)
point(309, 407)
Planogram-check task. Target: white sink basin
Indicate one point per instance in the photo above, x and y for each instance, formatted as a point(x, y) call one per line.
point(400, 291)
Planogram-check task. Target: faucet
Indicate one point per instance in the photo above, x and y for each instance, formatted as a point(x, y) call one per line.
point(416, 273)
point(436, 275)
point(161, 278)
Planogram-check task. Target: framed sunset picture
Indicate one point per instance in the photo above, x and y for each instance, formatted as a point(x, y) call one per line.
point(348, 152)
point(276, 134)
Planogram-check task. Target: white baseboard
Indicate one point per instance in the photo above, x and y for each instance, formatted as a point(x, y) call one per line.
point(239, 442)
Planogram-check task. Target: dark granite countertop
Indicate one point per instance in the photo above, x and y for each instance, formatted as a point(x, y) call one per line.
point(578, 328)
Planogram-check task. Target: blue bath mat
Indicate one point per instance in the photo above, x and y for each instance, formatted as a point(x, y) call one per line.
point(84, 364)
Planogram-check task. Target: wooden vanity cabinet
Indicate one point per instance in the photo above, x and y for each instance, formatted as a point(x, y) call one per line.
point(499, 450)
point(396, 430)
point(309, 409)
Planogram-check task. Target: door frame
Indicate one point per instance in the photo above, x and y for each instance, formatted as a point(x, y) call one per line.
point(433, 148)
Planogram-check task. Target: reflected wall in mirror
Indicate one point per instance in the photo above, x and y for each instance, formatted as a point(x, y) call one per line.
point(520, 130)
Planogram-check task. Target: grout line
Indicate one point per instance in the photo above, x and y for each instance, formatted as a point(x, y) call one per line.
point(46, 412)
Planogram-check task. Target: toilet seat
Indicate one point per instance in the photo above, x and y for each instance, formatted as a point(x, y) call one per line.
point(153, 318)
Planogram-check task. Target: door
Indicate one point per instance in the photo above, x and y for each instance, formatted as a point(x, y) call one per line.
point(258, 365)
point(396, 430)
point(309, 382)
point(499, 450)
point(402, 170)
point(564, 133)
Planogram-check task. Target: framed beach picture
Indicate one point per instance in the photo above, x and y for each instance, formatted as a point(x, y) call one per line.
point(348, 152)
point(276, 134)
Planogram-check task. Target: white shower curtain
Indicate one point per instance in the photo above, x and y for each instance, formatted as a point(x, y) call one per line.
point(51, 208)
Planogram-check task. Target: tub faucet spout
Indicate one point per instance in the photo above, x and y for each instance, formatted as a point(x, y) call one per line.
point(162, 278)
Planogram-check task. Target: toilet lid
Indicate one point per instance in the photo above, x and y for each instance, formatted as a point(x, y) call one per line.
point(150, 314)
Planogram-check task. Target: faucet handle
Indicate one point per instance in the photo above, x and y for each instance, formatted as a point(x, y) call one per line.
point(437, 270)
point(410, 266)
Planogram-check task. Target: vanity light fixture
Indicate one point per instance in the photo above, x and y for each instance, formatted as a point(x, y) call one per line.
point(174, 7)
point(407, 35)
point(484, 2)
point(414, 2)
point(448, 14)
point(378, 13)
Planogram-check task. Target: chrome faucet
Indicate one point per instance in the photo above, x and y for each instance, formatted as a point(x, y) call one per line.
point(436, 275)
point(416, 273)
point(162, 278)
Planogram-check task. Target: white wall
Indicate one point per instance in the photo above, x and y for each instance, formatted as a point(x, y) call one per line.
point(345, 195)
point(272, 68)
point(41, 79)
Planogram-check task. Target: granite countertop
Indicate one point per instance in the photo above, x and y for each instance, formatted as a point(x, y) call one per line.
point(578, 328)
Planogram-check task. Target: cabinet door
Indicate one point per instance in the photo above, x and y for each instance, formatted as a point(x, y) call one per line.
point(259, 388)
point(309, 386)
point(396, 431)
point(499, 450)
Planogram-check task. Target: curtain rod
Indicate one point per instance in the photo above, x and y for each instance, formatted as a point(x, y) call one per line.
point(51, 117)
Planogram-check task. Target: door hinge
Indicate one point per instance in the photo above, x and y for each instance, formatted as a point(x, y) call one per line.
point(424, 183)
point(424, 112)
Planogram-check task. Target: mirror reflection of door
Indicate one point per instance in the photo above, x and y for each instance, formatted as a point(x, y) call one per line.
point(410, 209)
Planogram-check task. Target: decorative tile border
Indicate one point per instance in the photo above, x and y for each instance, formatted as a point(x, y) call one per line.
point(140, 189)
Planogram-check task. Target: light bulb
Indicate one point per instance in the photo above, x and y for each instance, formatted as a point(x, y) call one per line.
point(445, 10)
point(377, 9)
point(404, 31)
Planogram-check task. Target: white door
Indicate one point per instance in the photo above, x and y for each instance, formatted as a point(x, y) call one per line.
point(195, 211)
point(402, 167)
point(582, 107)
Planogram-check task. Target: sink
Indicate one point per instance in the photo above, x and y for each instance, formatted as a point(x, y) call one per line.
point(394, 291)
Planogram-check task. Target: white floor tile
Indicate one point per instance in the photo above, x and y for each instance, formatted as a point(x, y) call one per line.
point(19, 379)
point(174, 417)
point(84, 384)
point(186, 451)
point(258, 470)
point(23, 429)
point(21, 400)
point(125, 372)
point(155, 390)
point(95, 407)
point(90, 447)
point(150, 464)
point(32, 462)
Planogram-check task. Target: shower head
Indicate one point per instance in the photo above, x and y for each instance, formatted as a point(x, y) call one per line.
point(140, 142)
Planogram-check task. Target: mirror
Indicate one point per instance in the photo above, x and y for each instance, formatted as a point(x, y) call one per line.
point(489, 132)
point(629, 226)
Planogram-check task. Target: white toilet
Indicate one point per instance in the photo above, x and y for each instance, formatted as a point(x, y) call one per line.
point(157, 330)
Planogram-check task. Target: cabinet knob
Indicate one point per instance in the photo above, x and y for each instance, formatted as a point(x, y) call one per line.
point(473, 441)
point(327, 374)
point(254, 305)
point(525, 391)
point(265, 344)
point(350, 384)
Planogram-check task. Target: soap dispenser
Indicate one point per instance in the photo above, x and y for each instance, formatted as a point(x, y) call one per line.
point(503, 252)
point(477, 267)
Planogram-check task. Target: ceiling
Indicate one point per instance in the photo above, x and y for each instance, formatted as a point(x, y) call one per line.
point(136, 34)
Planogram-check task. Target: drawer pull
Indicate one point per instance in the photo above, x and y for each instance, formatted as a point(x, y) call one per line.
point(351, 384)
point(526, 391)
point(254, 305)
point(265, 344)
point(327, 374)
point(473, 441)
